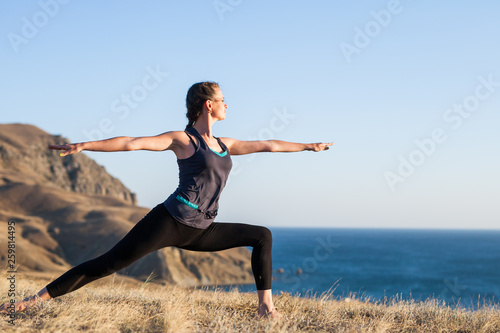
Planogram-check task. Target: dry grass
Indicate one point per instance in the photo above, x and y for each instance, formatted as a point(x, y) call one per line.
point(117, 307)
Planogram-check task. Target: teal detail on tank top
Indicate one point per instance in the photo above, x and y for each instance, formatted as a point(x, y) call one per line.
point(184, 201)
point(220, 154)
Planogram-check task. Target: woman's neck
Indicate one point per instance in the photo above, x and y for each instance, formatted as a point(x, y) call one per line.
point(204, 129)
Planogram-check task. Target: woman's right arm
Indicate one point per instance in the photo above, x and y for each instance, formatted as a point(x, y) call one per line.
point(159, 142)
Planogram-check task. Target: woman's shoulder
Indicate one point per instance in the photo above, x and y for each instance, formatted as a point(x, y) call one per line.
point(227, 141)
point(181, 137)
point(176, 138)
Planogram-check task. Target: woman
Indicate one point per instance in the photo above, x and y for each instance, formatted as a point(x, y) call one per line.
point(185, 219)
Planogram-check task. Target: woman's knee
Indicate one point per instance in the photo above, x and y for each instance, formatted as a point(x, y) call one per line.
point(264, 236)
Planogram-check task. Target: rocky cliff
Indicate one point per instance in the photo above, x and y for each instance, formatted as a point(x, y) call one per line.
point(23, 149)
point(68, 210)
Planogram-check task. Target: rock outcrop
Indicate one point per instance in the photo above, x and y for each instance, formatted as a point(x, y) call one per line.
point(23, 149)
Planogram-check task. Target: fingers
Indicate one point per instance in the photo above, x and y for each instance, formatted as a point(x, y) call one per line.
point(58, 147)
point(69, 149)
point(326, 146)
point(61, 147)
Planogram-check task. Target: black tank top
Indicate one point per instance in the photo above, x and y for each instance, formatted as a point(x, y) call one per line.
point(202, 176)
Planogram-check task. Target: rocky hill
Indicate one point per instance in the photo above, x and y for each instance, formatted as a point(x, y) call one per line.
point(23, 149)
point(68, 210)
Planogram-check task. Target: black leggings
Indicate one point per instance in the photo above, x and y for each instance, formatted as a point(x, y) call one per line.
point(159, 229)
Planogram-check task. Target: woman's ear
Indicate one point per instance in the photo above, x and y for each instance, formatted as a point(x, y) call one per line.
point(208, 105)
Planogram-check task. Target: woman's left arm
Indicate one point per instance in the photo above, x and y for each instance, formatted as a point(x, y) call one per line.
point(238, 147)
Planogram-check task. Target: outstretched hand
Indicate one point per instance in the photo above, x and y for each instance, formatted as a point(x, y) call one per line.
point(69, 148)
point(321, 146)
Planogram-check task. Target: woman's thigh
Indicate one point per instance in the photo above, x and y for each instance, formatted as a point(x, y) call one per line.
point(221, 236)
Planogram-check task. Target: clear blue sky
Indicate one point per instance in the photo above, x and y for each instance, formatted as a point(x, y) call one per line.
point(375, 77)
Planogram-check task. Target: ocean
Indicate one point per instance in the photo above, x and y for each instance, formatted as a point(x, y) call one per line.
point(458, 267)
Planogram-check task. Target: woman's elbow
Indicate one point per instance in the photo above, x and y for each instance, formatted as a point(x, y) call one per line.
point(270, 146)
point(131, 144)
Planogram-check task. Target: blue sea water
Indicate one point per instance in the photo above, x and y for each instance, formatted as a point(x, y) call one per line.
point(460, 267)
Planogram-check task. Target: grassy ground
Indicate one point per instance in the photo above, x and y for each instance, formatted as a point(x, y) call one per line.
point(111, 306)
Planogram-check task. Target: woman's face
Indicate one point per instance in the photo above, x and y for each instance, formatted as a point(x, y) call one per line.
point(218, 105)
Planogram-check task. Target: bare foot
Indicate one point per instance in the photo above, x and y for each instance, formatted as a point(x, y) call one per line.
point(264, 312)
point(21, 306)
